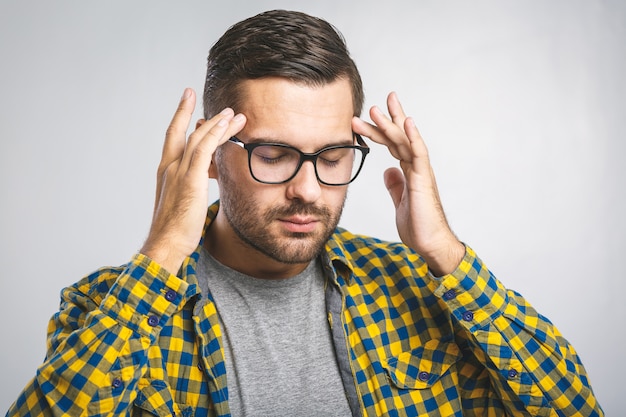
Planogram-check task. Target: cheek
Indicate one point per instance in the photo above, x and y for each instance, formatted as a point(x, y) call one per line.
point(230, 167)
point(236, 181)
point(335, 197)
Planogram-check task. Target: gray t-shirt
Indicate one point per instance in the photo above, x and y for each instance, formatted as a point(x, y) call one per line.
point(280, 359)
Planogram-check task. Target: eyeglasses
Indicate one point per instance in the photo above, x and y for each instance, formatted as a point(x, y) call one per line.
point(276, 163)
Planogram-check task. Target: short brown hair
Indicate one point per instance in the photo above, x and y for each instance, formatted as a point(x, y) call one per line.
point(277, 43)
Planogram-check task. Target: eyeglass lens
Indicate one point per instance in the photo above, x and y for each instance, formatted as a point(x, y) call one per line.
point(275, 164)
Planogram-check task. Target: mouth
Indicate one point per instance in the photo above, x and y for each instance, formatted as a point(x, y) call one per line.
point(299, 224)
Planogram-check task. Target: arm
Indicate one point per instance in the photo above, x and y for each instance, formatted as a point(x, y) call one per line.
point(489, 314)
point(530, 365)
point(100, 341)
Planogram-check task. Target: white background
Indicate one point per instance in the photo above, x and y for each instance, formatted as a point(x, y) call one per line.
point(521, 103)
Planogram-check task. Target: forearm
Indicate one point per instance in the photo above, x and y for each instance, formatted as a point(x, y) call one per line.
point(522, 351)
point(99, 351)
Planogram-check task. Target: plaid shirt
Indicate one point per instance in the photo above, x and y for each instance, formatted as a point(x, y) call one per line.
point(136, 340)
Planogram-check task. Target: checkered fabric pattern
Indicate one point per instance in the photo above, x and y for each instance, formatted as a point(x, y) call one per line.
point(136, 340)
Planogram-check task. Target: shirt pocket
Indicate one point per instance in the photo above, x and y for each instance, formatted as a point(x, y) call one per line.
point(155, 399)
point(422, 367)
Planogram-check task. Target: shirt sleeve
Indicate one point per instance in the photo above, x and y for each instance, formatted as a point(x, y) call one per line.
point(522, 351)
point(98, 341)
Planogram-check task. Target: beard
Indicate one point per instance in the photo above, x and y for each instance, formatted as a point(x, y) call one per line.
point(254, 229)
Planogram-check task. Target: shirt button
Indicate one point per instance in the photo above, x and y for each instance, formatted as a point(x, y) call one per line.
point(512, 373)
point(170, 295)
point(423, 376)
point(449, 295)
point(468, 316)
point(153, 321)
point(116, 383)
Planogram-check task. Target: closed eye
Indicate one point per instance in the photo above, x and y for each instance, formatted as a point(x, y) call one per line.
point(272, 155)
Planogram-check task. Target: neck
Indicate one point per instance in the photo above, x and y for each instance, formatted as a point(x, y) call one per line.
point(226, 246)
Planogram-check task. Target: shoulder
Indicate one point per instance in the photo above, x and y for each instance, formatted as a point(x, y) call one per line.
point(367, 253)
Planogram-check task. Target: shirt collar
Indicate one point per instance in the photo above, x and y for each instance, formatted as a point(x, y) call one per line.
point(339, 254)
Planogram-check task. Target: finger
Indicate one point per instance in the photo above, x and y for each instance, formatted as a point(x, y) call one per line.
point(394, 182)
point(175, 138)
point(371, 131)
point(421, 162)
point(386, 125)
point(218, 134)
point(202, 130)
point(418, 147)
point(395, 109)
point(176, 135)
point(366, 129)
point(390, 134)
point(235, 125)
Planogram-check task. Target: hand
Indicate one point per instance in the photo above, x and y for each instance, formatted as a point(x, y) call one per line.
point(182, 194)
point(420, 219)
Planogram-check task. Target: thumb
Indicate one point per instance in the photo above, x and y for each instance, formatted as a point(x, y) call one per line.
point(394, 181)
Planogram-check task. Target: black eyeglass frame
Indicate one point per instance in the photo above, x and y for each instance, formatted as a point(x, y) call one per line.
point(249, 147)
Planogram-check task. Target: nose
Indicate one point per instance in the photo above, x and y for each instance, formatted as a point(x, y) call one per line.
point(304, 186)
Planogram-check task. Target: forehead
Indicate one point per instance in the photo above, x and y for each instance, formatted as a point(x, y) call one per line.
point(300, 115)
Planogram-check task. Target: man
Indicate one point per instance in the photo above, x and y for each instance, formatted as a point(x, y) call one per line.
point(264, 306)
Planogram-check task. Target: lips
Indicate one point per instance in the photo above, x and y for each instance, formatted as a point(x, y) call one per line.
point(299, 224)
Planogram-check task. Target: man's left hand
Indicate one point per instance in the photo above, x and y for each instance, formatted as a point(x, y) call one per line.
point(420, 218)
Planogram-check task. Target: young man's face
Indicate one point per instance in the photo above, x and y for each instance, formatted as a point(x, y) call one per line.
point(290, 222)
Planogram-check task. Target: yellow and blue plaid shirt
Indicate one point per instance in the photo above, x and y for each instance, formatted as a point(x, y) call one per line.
point(136, 340)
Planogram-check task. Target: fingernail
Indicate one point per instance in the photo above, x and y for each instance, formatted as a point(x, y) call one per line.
point(238, 118)
point(186, 94)
point(226, 111)
point(222, 122)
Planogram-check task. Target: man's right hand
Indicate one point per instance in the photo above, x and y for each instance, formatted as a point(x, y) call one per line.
point(182, 194)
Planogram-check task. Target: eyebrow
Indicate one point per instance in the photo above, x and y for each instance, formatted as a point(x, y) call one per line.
point(352, 141)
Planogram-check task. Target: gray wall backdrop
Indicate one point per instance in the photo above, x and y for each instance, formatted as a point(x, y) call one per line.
point(520, 102)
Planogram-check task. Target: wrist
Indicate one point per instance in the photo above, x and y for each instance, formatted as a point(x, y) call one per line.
point(165, 257)
point(445, 259)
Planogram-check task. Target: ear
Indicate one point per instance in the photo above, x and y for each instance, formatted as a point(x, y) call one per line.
point(213, 169)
